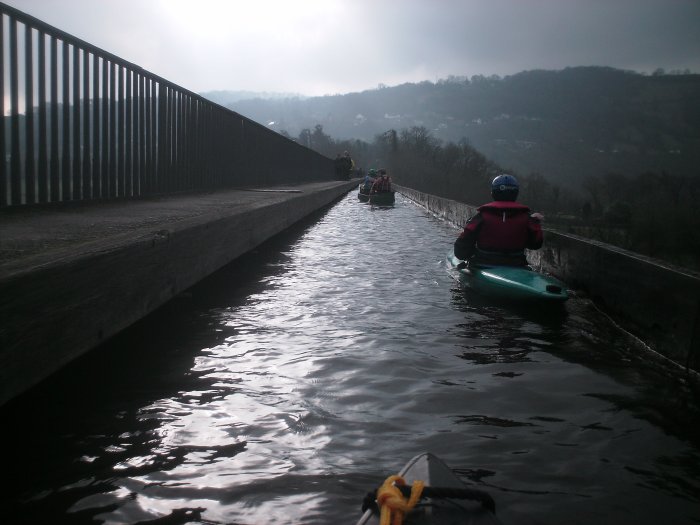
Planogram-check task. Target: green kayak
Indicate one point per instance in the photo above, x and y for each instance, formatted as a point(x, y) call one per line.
point(515, 283)
point(445, 499)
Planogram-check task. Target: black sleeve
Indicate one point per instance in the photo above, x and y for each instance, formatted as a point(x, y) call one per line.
point(463, 248)
point(465, 245)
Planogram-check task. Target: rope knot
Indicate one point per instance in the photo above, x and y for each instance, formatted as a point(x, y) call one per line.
point(392, 503)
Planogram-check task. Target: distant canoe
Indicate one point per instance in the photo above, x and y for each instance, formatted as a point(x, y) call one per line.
point(382, 198)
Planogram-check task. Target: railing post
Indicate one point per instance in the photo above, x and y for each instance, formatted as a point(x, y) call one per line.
point(4, 199)
point(86, 191)
point(104, 136)
point(95, 150)
point(142, 134)
point(29, 166)
point(43, 169)
point(161, 137)
point(54, 167)
point(15, 164)
point(76, 183)
point(113, 183)
point(121, 153)
point(128, 137)
point(66, 135)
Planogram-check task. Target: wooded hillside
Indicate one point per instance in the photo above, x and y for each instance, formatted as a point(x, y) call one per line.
point(564, 125)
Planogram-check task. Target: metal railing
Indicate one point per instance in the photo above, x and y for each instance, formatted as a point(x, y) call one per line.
point(79, 123)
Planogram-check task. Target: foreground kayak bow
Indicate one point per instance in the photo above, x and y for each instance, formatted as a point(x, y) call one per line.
point(437, 497)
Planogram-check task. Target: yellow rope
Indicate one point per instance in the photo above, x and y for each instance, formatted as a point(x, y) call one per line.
point(392, 503)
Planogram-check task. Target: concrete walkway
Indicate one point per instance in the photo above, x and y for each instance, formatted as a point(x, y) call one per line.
point(71, 276)
point(34, 236)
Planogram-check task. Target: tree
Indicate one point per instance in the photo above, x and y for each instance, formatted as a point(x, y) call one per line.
point(321, 142)
point(305, 137)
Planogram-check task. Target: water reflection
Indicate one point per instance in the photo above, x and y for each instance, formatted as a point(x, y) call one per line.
point(289, 384)
point(622, 429)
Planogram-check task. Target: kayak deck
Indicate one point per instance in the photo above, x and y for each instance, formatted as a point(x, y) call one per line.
point(440, 510)
point(510, 282)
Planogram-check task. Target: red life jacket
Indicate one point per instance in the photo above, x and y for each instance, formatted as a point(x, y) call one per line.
point(381, 184)
point(506, 227)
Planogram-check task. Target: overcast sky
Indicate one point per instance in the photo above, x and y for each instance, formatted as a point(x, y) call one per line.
point(317, 47)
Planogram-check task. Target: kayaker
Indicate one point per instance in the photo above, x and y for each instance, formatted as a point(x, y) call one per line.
point(383, 182)
point(369, 180)
point(348, 165)
point(501, 230)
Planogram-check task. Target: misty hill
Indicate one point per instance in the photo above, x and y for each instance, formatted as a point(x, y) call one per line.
point(565, 125)
point(225, 97)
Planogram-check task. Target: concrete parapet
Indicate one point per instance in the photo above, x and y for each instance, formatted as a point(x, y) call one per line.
point(453, 212)
point(657, 303)
point(120, 262)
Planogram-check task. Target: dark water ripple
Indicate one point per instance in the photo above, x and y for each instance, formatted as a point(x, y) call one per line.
point(283, 388)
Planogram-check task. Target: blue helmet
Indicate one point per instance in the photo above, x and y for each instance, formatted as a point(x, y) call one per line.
point(504, 188)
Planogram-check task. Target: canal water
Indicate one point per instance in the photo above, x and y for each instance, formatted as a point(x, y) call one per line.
point(286, 386)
